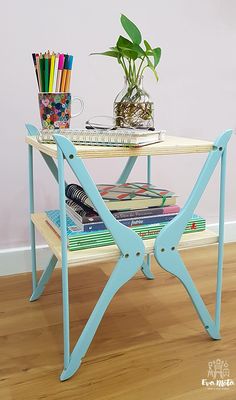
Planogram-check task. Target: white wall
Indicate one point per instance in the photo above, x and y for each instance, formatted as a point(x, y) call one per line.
point(195, 96)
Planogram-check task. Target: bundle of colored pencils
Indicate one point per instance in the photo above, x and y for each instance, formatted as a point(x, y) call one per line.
point(53, 71)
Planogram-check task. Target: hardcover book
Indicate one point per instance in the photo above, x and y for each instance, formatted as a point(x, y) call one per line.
point(78, 240)
point(125, 196)
point(130, 222)
point(87, 215)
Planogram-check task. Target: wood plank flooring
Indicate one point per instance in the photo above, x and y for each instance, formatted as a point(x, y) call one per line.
point(150, 345)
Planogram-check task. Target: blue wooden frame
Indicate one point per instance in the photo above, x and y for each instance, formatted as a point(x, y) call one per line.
point(132, 250)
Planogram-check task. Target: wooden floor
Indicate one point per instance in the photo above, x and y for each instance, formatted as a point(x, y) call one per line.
point(150, 345)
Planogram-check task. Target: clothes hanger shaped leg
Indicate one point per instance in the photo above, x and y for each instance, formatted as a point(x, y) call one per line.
point(131, 259)
point(167, 241)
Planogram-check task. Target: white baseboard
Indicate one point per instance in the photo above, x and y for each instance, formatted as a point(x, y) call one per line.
point(230, 230)
point(18, 260)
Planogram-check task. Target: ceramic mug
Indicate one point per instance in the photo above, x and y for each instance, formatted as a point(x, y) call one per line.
point(55, 109)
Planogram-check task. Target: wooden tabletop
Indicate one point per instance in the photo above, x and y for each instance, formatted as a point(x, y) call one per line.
point(171, 145)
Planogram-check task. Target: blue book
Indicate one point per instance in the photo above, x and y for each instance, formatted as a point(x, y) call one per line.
point(130, 222)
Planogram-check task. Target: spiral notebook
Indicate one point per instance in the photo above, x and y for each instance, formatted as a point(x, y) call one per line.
point(102, 137)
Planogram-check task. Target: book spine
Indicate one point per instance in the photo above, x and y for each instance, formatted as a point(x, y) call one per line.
point(145, 212)
point(96, 242)
point(104, 234)
point(130, 222)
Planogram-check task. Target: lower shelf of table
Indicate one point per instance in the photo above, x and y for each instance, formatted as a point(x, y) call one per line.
point(108, 253)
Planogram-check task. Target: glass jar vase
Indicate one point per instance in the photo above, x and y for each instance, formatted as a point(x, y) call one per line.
point(133, 107)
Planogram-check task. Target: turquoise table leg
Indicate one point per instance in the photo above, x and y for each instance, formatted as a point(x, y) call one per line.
point(38, 287)
point(146, 268)
point(33, 131)
point(221, 239)
point(130, 244)
point(64, 264)
point(127, 169)
point(168, 239)
point(32, 227)
point(44, 279)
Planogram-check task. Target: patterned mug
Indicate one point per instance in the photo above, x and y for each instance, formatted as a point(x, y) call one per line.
point(55, 110)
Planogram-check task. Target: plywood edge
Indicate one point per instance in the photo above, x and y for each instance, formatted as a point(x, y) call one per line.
point(50, 150)
point(172, 145)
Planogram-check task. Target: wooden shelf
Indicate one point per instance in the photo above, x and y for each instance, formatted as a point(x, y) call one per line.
point(108, 253)
point(171, 145)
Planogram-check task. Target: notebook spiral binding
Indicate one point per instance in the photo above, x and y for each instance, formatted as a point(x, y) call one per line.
point(102, 137)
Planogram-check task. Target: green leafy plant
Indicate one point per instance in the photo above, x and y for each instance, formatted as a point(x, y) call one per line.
point(131, 55)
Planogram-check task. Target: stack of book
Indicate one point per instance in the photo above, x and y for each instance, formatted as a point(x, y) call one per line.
point(144, 208)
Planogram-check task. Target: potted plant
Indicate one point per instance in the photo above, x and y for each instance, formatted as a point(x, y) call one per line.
point(132, 106)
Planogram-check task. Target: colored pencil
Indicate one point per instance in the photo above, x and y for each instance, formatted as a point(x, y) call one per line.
point(41, 64)
point(35, 66)
point(64, 72)
point(38, 71)
point(68, 75)
point(59, 73)
point(51, 79)
point(55, 73)
point(46, 72)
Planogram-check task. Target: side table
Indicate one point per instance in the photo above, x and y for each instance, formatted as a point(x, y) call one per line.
point(130, 252)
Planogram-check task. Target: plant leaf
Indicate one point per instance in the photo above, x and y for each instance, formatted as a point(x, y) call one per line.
point(151, 66)
point(147, 45)
point(128, 53)
point(156, 55)
point(131, 50)
point(110, 53)
point(123, 42)
point(126, 48)
point(131, 29)
point(139, 49)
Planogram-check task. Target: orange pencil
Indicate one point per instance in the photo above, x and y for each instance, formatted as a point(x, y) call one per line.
point(59, 72)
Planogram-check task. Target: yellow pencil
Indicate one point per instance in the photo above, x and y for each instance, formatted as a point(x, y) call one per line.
point(51, 72)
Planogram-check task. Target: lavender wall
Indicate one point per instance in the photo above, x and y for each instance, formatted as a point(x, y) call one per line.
point(195, 96)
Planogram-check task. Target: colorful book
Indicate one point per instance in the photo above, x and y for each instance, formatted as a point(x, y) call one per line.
point(130, 222)
point(125, 196)
point(78, 240)
point(87, 215)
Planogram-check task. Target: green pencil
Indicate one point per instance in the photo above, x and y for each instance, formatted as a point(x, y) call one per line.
point(41, 66)
point(46, 72)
